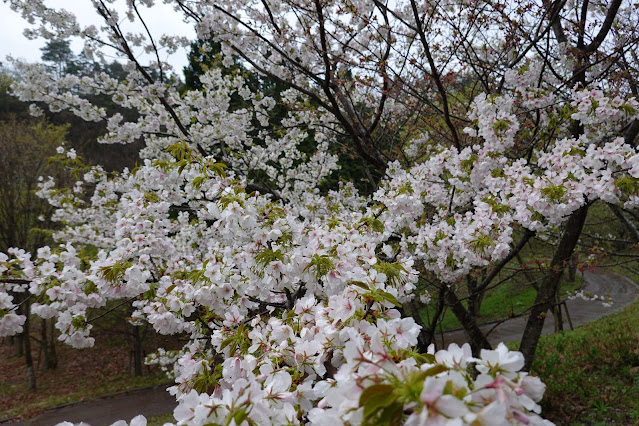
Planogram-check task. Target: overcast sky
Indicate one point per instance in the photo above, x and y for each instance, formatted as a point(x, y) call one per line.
point(160, 19)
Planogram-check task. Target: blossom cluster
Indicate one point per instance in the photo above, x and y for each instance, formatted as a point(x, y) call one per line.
point(457, 209)
point(228, 281)
point(294, 299)
point(371, 385)
point(292, 304)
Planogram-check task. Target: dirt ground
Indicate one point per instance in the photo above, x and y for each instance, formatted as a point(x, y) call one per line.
point(81, 375)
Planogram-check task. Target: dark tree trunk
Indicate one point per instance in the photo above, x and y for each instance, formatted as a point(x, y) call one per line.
point(627, 223)
point(27, 346)
point(572, 268)
point(422, 339)
point(549, 286)
point(476, 294)
point(477, 289)
point(18, 339)
point(47, 334)
point(557, 315)
point(427, 333)
point(18, 345)
point(472, 332)
point(137, 351)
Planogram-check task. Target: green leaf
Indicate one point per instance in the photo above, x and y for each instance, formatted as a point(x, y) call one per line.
point(198, 182)
point(240, 416)
point(90, 287)
point(395, 272)
point(405, 189)
point(115, 272)
point(481, 242)
point(218, 169)
point(323, 264)
point(440, 235)
point(497, 173)
point(554, 192)
point(151, 197)
point(227, 342)
point(627, 185)
point(374, 398)
point(435, 370)
point(390, 298)
point(501, 125)
point(468, 163)
point(360, 284)
point(373, 390)
point(448, 388)
point(182, 165)
point(391, 415)
point(267, 256)
point(373, 223)
point(424, 358)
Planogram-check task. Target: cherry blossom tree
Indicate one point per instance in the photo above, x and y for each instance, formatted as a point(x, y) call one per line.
point(482, 124)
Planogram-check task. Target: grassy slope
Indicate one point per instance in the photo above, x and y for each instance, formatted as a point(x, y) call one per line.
point(592, 373)
point(504, 301)
point(160, 420)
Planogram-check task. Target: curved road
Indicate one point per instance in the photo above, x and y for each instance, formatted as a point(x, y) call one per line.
point(150, 402)
point(156, 401)
point(619, 289)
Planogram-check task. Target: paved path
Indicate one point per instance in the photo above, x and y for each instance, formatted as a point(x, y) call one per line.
point(620, 289)
point(149, 402)
point(156, 401)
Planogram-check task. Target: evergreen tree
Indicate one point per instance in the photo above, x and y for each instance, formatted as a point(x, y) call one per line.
point(59, 57)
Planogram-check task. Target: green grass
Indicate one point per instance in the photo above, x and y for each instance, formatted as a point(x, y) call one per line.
point(160, 420)
point(503, 301)
point(592, 373)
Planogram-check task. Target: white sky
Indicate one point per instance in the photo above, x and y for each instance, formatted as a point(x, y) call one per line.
point(161, 19)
